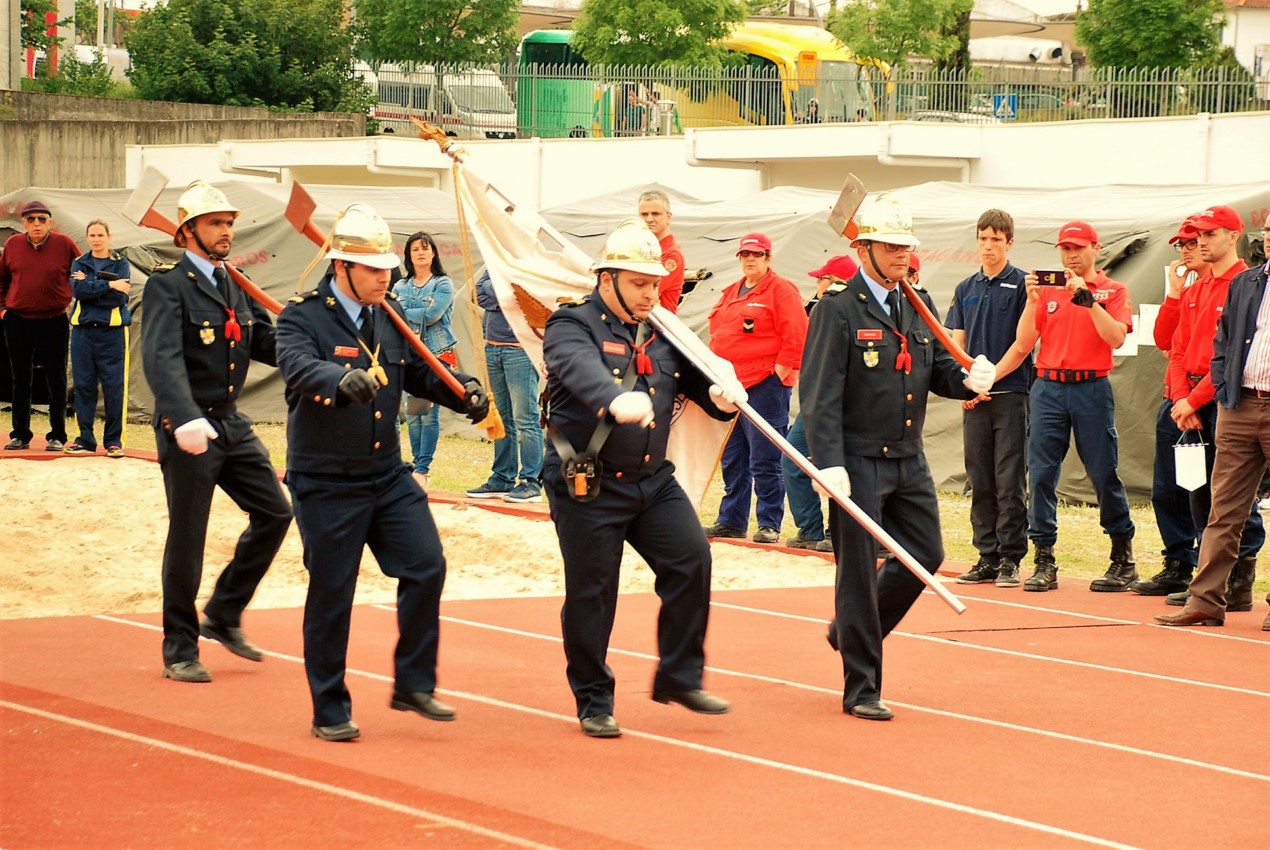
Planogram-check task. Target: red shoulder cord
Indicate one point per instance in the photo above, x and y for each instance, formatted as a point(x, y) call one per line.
point(903, 360)
point(233, 330)
point(643, 363)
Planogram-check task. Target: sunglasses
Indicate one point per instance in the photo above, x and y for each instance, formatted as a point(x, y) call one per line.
point(1188, 245)
point(746, 254)
point(37, 218)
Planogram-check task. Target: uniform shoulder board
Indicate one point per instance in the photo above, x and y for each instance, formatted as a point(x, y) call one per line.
point(918, 287)
point(164, 267)
point(836, 287)
point(303, 296)
point(572, 302)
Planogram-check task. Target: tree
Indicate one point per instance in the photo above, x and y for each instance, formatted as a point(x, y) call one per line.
point(272, 53)
point(436, 31)
point(892, 30)
point(1151, 33)
point(35, 26)
point(654, 32)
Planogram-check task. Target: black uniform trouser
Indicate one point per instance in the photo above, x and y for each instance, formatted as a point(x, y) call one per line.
point(655, 516)
point(338, 515)
point(238, 463)
point(868, 603)
point(46, 341)
point(995, 442)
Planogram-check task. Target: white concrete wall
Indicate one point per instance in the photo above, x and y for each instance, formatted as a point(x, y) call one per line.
point(1245, 29)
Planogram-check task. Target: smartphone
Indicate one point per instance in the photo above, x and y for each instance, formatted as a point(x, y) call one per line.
point(107, 276)
point(1051, 277)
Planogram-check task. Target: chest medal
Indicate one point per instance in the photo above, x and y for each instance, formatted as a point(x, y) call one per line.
point(207, 335)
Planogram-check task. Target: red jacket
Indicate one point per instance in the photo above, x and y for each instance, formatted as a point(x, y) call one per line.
point(1191, 352)
point(35, 282)
point(760, 329)
point(672, 285)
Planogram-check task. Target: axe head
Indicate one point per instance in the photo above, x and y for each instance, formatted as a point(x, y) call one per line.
point(300, 207)
point(141, 201)
point(842, 216)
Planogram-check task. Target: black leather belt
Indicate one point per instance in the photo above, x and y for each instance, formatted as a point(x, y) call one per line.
point(1069, 376)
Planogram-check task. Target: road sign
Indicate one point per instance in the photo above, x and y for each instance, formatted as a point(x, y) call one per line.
point(1005, 106)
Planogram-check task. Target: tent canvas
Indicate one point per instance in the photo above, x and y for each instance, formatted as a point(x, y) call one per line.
point(1134, 222)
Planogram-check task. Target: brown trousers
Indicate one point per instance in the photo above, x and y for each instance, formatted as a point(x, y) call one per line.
point(1243, 451)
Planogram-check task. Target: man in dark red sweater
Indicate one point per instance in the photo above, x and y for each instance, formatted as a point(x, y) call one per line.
point(35, 290)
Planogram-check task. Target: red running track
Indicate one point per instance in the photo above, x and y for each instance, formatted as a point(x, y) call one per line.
point(1032, 721)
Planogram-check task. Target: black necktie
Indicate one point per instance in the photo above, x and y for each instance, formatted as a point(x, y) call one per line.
point(368, 327)
point(893, 301)
point(221, 278)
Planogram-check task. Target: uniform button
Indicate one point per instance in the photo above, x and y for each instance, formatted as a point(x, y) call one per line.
point(348, 365)
point(885, 449)
point(599, 414)
point(676, 374)
point(617, 372)
point(232, 344)
point(379, 415)
point(652, 424)
point(231, 388)
point(233, 366)
point(207, 324)
point(908, 422)
point(652, 391)
point(647, 458)
point(618, 475)
point(326, 401)
point(317, 398)
point(909, 396)
point(377, 444)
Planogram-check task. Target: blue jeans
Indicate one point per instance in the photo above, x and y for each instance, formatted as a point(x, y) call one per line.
point(513, 382)
point(750, 459)
point(424, 430)
point(1171, 503)
point(1059, 411)
point(804, 501)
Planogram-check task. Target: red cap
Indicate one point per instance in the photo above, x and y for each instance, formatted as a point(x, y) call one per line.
point(1215, 217)
point(843, 268)
point(914, 264)
point(754, 242)
point(1077, 233)
point(34, 207)
point(1185, 231)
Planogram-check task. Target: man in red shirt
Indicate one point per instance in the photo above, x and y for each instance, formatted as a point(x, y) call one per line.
point(654, 209)
point(758, 325)
point(1079, 319)
point(35, 291)
point(1190, 385)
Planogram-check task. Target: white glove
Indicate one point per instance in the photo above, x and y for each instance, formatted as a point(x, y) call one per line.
point(192, 437)
point(632, 407)
point(837, 478)
point(727, 399)
point(982, 375)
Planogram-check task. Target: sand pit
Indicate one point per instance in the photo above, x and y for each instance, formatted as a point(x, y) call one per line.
point(85, 536)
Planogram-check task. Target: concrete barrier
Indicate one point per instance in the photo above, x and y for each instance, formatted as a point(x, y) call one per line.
point(71, 142)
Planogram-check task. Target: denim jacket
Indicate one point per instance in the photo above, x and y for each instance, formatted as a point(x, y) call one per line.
point(428, 309)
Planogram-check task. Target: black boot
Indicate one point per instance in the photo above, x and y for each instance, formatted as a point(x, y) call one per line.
point(1239, 585)
point(1045, 577)
point(983, 572)
point(1175, 576)
point(1123, 571)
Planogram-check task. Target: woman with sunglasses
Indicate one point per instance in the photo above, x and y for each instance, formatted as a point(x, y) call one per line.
point(426, 293)
point(759, 325)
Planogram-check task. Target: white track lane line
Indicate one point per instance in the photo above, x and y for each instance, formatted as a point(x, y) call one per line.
point(280, 776)
point(1088, 665)
point(786, 767)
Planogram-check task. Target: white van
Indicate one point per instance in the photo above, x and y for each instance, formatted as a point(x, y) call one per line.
point(467, 104)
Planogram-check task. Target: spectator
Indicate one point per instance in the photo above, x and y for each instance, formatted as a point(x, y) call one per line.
point(1170, 502)
point(1080, 318)
point(984, 319)
point(812, 115)
point(426, 294)
point(654, 209)
point(35, 290)
point(100, 318)
point(1240, 375)
point(914, 275)
point(634, 118)
point(804, 501)
point(759, 325)
point(1191, 385)
point(514, 382)
point(654, 113)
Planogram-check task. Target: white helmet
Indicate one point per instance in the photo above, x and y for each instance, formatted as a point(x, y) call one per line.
point(199, 198)
point(884, 219)
point(633, 247)
point(361, 236)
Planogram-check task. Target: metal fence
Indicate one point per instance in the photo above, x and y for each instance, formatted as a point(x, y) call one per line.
point(601, 101)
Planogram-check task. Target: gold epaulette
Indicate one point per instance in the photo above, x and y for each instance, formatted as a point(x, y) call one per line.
point(302, 297)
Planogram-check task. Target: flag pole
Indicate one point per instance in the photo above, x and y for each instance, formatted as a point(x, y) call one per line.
point(673, 330)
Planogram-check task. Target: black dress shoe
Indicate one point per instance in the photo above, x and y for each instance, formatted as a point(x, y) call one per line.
point(231, 637)
point(421, 703)
point(699, 701)
point(187, 671)
point(832, 636)
point(345, 731)
point(600, 726)
point(872, 711)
